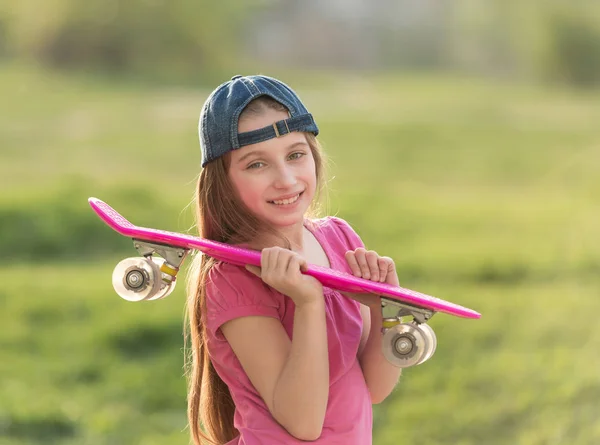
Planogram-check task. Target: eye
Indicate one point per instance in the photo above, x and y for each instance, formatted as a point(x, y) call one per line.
point(296, 155)
point(255, 165)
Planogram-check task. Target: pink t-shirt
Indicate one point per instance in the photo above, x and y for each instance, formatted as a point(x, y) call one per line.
point(234, 292)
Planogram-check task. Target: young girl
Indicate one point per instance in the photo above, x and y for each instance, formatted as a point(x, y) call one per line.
point(276, 357)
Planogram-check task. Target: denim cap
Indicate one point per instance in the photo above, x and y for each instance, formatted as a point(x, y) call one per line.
point(218, 124)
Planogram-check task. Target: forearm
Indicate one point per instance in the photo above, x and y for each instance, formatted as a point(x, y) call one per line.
point(302, 390)
point(380, 375)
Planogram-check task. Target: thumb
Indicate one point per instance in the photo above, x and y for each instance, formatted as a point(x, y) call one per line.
point(303, 265)
point(253, 269)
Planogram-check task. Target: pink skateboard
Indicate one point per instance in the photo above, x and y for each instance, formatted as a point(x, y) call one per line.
point(151, 278)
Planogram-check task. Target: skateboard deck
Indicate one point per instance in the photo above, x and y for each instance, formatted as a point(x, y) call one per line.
point(331, 278)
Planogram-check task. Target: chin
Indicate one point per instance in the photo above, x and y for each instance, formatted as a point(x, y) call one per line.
point(287, 221)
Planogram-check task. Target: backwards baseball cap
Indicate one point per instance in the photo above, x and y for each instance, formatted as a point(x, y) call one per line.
point(218, 124)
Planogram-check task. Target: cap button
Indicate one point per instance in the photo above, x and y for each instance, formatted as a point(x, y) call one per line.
point(237, 76)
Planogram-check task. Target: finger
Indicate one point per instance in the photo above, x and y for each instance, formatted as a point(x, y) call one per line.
point(383, 268)
point(361, 258)
point(371, 258)
point(395, 281)
point(270, 260)
point(253, 269)
point(264, 258)
point(392, 275)
point(354, 267)
point(293, 265)
point(283, 262)
point(300, 262)
point(303, 264)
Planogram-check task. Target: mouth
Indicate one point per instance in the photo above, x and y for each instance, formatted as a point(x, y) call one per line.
point(288, 201)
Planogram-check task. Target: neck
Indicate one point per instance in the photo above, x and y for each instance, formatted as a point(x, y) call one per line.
point(296, 237)
point(295, 234)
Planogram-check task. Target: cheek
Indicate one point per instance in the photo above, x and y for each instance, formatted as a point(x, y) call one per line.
point(249, 197)
point(249, 191)
point(311, 174)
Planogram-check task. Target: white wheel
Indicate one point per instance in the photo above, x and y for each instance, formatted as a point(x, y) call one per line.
point(137, 279)
point(404, 345)
point(431, 342)
point(164, 292)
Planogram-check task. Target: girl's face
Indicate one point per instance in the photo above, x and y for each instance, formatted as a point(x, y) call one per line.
point(276, 178)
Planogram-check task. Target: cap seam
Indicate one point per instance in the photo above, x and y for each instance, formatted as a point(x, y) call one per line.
point(233, 125)
point(289, 106)
point(209, 148)
point(207, 141)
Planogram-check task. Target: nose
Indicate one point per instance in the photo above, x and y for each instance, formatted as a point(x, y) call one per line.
point(284, 177)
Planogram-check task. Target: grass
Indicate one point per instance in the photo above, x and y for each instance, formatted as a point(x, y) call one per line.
point(484, 194)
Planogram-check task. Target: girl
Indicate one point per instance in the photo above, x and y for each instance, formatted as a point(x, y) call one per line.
point(276, 357)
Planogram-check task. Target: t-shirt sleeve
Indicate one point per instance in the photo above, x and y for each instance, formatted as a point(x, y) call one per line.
point(348, 234)
point(233, 292)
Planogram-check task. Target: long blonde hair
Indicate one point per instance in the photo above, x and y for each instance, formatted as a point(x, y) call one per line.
point(221, 216)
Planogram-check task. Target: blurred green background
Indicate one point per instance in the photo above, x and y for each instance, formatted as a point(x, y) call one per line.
point(464, 140)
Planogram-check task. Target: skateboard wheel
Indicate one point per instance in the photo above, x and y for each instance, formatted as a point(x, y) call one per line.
point(164, 292)
point(430, 342)
point(136, 279)
point(404, 345)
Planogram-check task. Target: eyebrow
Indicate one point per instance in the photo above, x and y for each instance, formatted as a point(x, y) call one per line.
point(260, 152)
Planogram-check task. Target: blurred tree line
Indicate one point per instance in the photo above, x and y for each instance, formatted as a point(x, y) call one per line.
point(549, 40)
point(157, 37)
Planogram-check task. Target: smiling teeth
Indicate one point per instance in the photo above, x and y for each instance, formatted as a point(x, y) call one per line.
point(287, 201)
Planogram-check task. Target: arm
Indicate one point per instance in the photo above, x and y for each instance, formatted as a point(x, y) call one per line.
point(380, 375)
point(292, 377)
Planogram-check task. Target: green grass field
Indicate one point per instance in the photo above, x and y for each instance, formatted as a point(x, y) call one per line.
point(485, 194)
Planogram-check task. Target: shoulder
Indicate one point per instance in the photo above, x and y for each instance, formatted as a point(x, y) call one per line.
point(337, 230)
point(226, 276)
point(227, 282)
point(232, 292)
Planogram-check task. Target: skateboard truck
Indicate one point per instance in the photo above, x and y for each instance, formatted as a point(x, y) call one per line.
point(147, 277)
point(406, 344)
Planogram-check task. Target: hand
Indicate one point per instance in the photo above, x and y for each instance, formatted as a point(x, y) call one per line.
point(370, 266)
point(281, 269)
